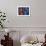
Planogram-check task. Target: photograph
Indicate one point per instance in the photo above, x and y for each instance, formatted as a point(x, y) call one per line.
point(23, 11)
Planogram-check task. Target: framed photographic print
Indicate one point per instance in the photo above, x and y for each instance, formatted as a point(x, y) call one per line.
point(23, 11)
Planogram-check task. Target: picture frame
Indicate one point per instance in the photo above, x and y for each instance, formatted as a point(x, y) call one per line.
point(23, 11)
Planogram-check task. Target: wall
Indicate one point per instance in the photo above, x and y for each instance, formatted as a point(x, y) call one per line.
point(39, 13)
point(37, 18)
point(10, 7)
